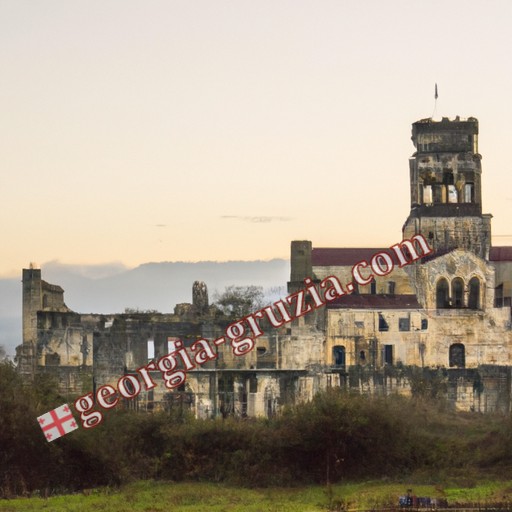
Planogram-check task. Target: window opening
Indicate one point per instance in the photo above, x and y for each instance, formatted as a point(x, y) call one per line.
point(338, 355)
point(388, 354)
point(458, 292)
point(457, 357)
point(404, 324)
point(474, 293)
point(442, 294)
point(383, 325)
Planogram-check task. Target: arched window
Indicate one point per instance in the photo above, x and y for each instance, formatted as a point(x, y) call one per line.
point(457, 357)
point(338, 355)
point(45, 301)
point(458, 292)
point(442, 294)
point(474, 293)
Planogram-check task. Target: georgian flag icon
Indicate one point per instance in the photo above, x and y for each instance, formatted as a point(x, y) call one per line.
point(57, 423)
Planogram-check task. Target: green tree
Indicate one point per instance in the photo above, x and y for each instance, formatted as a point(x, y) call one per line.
point(238, 301)
point(26, 460)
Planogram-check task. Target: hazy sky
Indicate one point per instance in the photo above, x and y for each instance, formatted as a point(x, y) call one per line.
point(137, 131)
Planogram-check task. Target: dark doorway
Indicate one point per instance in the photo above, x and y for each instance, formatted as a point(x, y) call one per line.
point(388, 354)
point(457, 356)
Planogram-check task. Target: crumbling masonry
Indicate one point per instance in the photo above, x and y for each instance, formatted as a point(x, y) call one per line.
point(440, 326)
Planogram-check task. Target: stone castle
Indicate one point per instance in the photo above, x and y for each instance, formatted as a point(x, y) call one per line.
point(441, 325)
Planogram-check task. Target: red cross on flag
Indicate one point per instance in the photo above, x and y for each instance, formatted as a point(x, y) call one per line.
point(57, 423)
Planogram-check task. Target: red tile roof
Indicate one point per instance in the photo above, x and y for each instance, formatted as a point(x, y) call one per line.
point(331, 256)
point(500, 254)
point(345, 256)
point(365, 301)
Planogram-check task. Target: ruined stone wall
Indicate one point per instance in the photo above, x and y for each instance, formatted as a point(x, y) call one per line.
point(231, 392)
point(123, 345)
point(304, 347)
point(72, 380)
point(203, 385)
point(32, 303)
point(419, 337)
point(26, 360)
point(69, 345)
point(52, 297)
point(39, 296)
point(64, 348)
point(444, 233)
point(227, 359)
point(486, 337)
point(365, 334)
point(484, 389)
point(300, 264)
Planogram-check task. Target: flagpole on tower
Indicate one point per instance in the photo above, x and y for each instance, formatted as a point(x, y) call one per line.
point(435, 102)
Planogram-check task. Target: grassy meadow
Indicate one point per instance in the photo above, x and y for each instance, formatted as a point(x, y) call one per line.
point(339, 451)
point(151, 496)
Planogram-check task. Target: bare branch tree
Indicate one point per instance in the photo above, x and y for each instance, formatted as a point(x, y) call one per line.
point(238, 301)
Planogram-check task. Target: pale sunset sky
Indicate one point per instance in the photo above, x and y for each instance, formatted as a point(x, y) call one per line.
point(160, 130)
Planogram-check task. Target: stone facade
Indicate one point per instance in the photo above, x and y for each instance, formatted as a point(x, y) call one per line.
point(449, 310)
point(441, 325)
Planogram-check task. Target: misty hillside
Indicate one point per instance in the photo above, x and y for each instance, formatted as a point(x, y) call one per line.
point(112, 288)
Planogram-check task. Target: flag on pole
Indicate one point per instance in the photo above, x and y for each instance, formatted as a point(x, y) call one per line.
point(57, 423)
point(436, 95)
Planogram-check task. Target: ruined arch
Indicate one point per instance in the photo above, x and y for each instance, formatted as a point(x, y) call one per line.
point(474, 293)
point(442, 294)
point(458, 292)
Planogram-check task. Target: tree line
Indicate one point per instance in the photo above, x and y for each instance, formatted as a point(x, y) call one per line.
point(337, 436)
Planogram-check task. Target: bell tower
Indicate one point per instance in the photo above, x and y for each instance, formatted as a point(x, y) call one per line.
point(446, 192)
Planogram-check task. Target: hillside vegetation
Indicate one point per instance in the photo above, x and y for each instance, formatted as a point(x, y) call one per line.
point(337, 437)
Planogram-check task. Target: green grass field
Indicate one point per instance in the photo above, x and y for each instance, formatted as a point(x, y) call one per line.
point(150, 496)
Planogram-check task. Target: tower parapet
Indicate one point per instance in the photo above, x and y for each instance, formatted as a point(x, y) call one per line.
point(446, 192)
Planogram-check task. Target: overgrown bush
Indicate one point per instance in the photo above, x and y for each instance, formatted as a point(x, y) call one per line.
point(336, 436)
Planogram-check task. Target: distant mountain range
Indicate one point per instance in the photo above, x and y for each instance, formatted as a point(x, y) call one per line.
point(157, 286)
